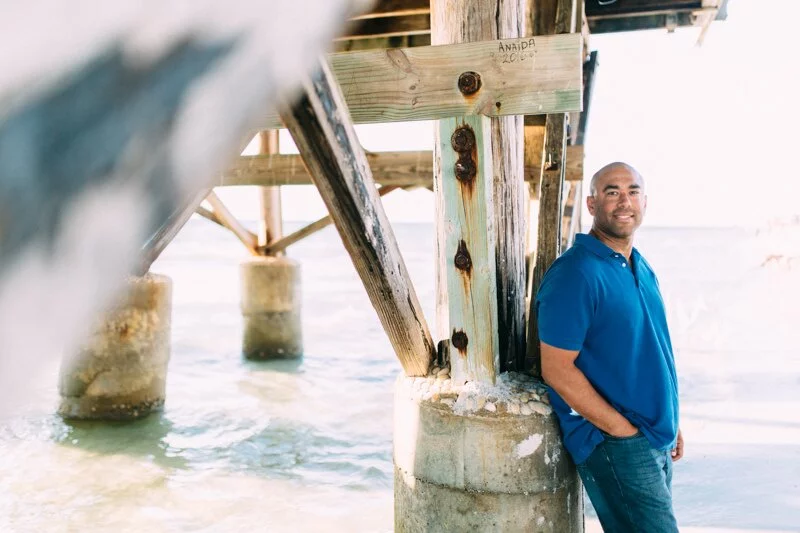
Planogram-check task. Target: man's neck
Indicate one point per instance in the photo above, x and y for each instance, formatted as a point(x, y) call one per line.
point(621, 245)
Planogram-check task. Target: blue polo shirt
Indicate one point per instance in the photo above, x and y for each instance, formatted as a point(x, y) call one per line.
point(594, 301)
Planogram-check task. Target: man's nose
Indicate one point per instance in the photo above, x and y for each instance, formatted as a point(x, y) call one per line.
point(624, 199)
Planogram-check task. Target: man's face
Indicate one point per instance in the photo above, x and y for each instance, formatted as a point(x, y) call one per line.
point(619, 202)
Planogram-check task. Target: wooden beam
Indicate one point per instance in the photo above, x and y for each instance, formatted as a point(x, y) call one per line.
point(575, 213)
point(469, 247)
point(567, 213)
point(322, 130)
point(516, 77)
point(485, 213)
point(158, 242)
point(550, 193)
point(589, 68)
point(413, 24)
point(247, 237)
point(388, 168)
point(382, 43)
point(396, 8)
point(270, 223)
point(281, 245)
point(209, 215)
point(645, 22)
point(638, 7)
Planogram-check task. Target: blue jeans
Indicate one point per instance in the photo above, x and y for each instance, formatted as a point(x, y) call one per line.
point(630, 485)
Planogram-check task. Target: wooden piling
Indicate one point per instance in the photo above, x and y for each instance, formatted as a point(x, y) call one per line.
point(321, 127)
point(466, 227)
point(454, 22)
point(552, 181)
point(270, 224)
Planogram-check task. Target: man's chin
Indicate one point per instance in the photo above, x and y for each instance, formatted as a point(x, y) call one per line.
point(624, 232)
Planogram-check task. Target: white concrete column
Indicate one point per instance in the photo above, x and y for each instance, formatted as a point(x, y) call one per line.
point(271, 308)
point(121, 371)
point(481, 459)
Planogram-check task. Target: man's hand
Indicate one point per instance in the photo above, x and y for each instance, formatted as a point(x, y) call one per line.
point(624, 429)
point(677, 452)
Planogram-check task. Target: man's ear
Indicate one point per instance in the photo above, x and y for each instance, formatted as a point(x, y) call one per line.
point(590, 204)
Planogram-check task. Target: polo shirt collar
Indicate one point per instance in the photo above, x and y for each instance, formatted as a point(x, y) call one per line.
point(595, 246)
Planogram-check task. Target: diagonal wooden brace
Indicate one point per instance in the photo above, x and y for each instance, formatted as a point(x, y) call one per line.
point(320, 124)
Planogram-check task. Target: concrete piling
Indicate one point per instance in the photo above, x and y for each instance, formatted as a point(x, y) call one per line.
point(271, 308)
point(120, 372)
point(481, 462)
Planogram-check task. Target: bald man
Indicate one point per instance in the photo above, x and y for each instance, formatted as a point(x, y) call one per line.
point(607, 358)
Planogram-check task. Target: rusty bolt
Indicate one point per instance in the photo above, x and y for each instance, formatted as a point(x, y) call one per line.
point(469, 83)
point(465, 169)
point(459, 340)
point(463, 139)
point(463, 260)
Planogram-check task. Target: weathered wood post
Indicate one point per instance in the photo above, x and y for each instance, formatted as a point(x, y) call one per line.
point(552, 175)
point(271, 297)
point(322, 129)
point(480, 463)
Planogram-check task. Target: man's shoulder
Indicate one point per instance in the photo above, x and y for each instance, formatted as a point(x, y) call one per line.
point(576, 265)
point(577, 260)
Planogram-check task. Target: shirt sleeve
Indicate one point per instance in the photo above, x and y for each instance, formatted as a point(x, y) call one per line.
point(565, 306)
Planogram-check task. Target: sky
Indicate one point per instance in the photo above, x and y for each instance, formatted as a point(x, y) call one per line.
point(709, 127)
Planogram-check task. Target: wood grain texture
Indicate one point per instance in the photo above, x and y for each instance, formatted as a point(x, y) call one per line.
point(548, 246)
point(400, 169)
point(455, 21)
point(528, 76)
point(270, 223)
point(322, 130)
point(468, 232)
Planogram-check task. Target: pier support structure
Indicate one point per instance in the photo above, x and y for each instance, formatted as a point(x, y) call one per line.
point(479, 451)
point(270, 282)
point(120, 372)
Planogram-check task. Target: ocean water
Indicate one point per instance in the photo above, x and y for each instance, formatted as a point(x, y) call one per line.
point(306, 445)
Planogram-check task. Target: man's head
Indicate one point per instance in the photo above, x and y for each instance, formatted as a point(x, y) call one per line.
point(617, 200)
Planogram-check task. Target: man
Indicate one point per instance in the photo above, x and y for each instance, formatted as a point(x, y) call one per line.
point(607, 357)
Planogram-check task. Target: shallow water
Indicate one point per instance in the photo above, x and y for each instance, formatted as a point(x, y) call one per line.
point(306, 445)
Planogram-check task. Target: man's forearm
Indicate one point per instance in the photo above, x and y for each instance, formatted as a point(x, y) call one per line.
point(571, 384)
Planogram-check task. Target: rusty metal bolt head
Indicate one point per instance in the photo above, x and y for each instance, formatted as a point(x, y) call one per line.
point(459, 340)
point(469, 83)
point(463, 139)
point(462, 260)
point(465, 169)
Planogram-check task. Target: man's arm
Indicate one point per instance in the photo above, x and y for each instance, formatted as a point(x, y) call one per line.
point(560, 372)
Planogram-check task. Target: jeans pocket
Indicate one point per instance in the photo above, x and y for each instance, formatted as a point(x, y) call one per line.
point(612, 437)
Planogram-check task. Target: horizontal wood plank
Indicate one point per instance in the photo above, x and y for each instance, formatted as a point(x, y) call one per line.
point(527, 76)
point(388, 168)
point(413, 24)
point(396, 8)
